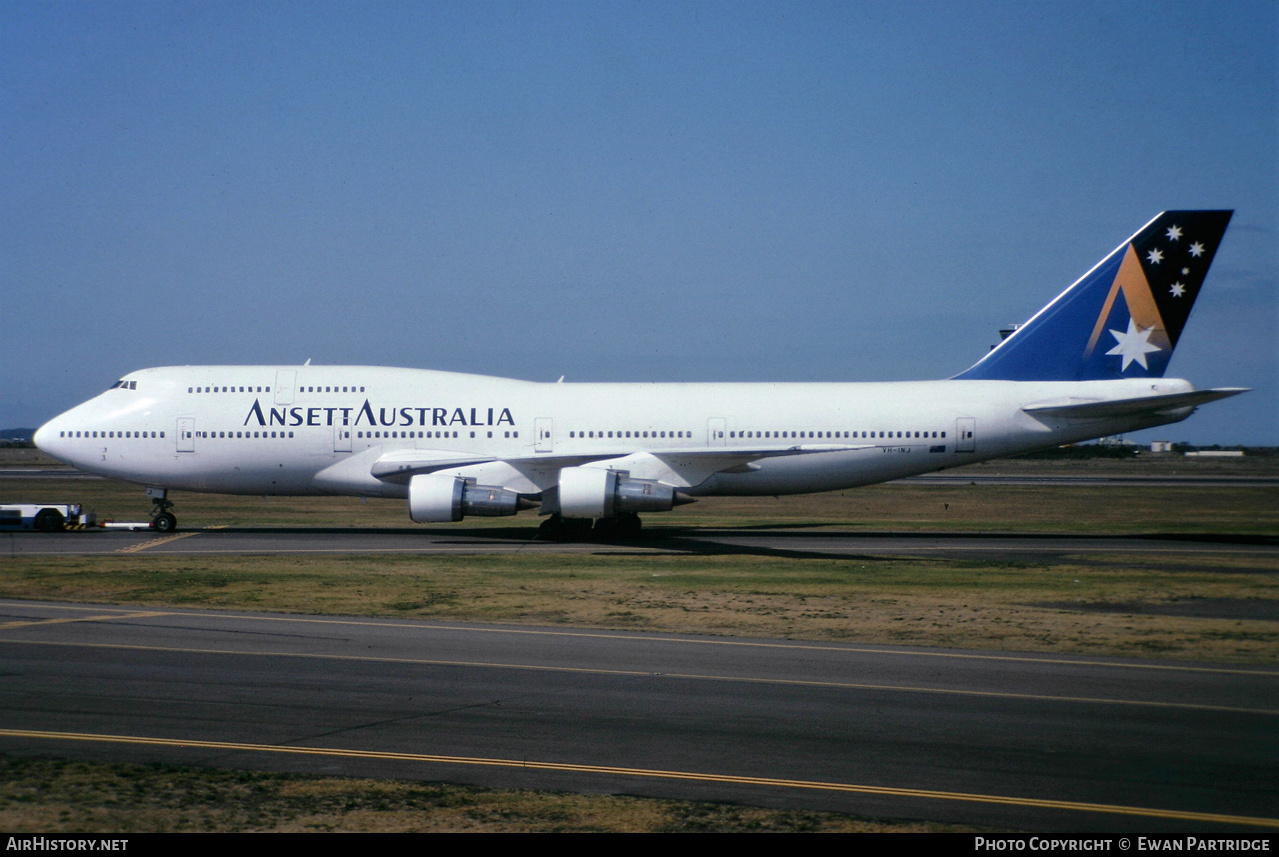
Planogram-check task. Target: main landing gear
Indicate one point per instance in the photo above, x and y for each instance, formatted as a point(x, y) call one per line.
point(162, 519)
point(618, 528)
point(621, 527)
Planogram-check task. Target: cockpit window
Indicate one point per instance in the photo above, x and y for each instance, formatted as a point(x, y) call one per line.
point(125, 385)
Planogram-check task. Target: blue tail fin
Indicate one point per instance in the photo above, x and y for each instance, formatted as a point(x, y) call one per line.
point(1123, 318)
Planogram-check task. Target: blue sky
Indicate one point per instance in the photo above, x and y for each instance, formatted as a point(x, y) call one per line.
point(619, 191)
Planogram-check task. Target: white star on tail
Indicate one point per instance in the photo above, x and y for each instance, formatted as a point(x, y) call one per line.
point(1196, 249)
point(1174, 233)
point(1178, 289)
point(1133, 345)
point(1155, 256)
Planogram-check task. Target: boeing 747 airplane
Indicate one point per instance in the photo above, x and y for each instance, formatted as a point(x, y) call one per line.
point(1091, 363)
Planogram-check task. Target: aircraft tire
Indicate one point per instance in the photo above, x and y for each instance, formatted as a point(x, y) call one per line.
point(164, 523)
point(629, 525)
point(606, 529)
point(50, 521)
point(557, 528)
point(552, 529)
point(621, 527)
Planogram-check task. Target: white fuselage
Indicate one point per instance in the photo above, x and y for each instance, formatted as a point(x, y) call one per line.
point(325, 429)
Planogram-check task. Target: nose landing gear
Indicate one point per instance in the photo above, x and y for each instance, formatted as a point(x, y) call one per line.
point(162, 519)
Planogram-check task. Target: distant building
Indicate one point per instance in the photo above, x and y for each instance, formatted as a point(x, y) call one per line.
point(1217, 453)
point(1161, 446)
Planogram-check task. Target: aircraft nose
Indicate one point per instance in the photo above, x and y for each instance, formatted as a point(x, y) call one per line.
point(47, 439)
point(41, 437)
point(45, 435)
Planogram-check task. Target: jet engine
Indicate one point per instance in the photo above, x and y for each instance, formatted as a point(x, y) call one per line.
point(589, 492)
point(436, 498)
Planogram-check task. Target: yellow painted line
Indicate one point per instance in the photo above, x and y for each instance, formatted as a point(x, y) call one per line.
point(709, 641)
point(434, 549)
point(154, 542)
point(568, 767)
point(106, 617)
point(836, 685)
point(1068, 551)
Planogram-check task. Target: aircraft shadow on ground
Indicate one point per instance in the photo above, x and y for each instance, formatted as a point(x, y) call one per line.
point(785, 540)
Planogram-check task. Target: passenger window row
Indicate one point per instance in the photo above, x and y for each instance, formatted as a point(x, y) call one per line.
point(864, 434)
point(650, 433)
point(772, 435)
point(232, 435)
point(393, 435)
point(350, 388)
point(100, 434)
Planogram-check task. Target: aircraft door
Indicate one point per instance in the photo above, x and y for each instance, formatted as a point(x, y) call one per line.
point(186, 434)
point(543, 435)
point(285, 381)
point(715, 431)
point(341, 438)
point(965, 434)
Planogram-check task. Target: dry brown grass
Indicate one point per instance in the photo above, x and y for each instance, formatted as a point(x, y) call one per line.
point(871, 599)
point(59, 797)
point(901, 506)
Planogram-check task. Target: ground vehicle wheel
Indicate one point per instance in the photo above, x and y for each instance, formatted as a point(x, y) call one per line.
point(165, 523)
point(50, 521)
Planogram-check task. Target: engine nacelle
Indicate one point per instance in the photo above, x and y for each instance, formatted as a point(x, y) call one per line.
point(437, 499)
point(589, 492)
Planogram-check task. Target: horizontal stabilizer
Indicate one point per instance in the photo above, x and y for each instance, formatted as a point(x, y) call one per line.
point(1077, 409)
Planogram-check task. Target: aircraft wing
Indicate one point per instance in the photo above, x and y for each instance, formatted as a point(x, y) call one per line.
point(682, 468)
point(400, 464)
point(1080, 409)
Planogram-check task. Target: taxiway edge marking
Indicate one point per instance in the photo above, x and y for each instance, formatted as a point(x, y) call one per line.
point(155, 542)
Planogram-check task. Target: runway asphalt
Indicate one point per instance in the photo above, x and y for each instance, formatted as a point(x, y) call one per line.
point(774, 541)
point(1013, 741)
